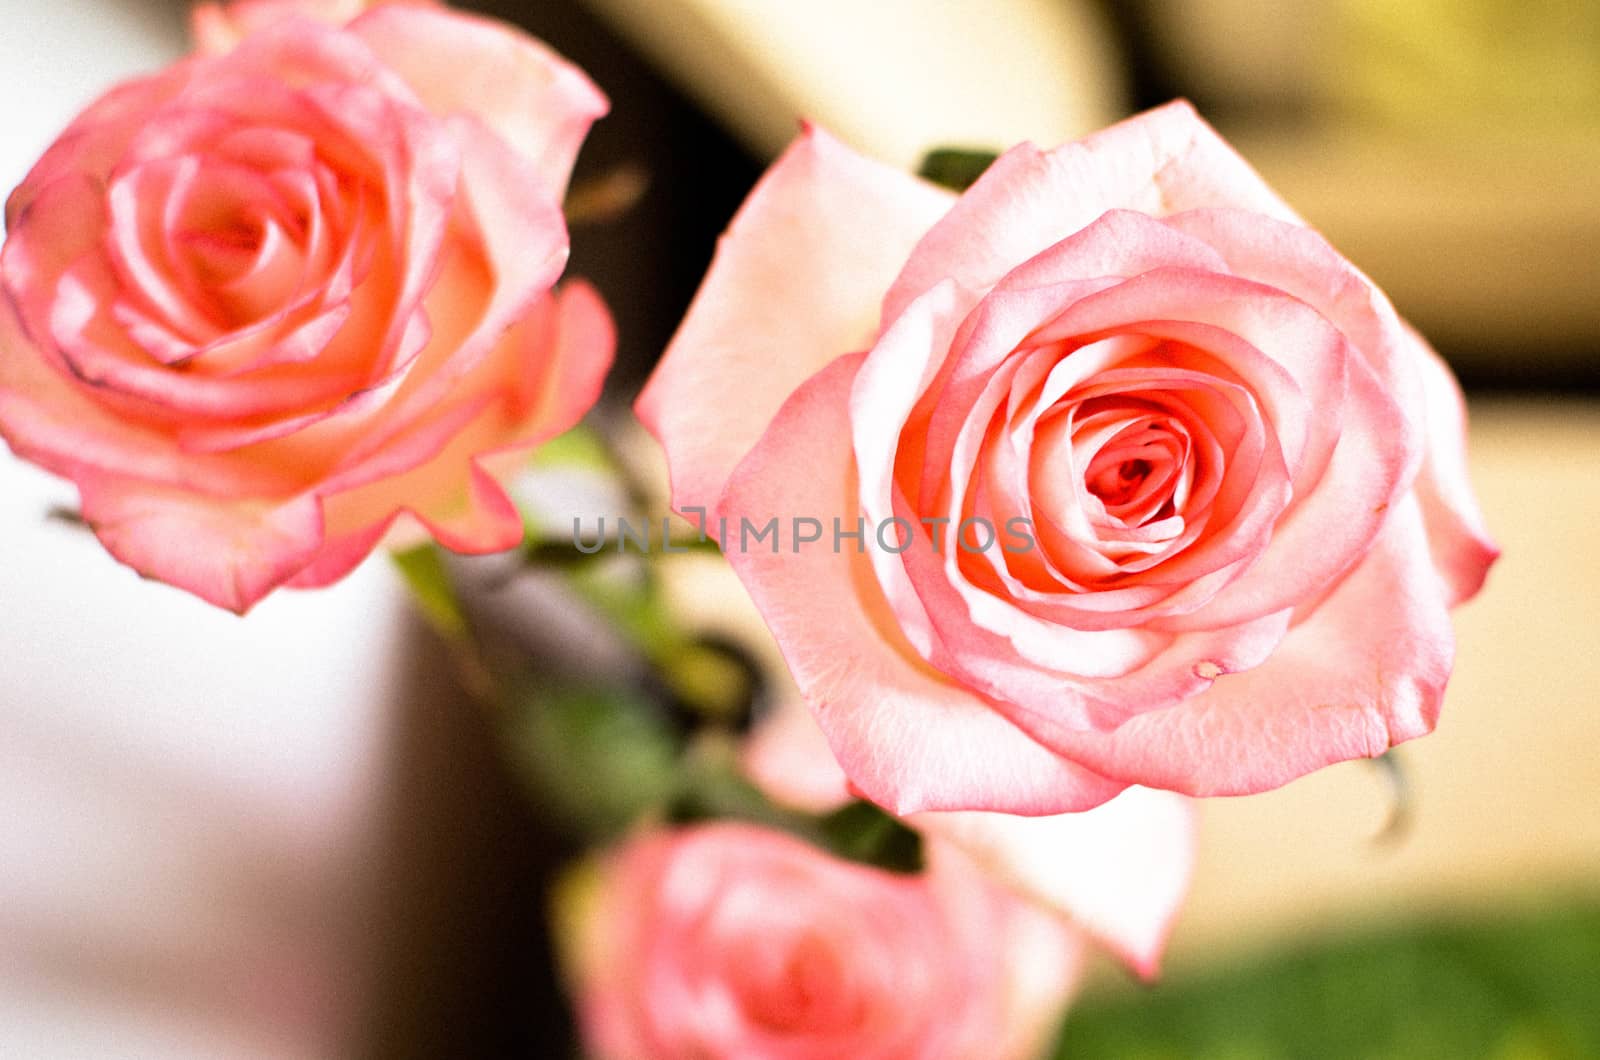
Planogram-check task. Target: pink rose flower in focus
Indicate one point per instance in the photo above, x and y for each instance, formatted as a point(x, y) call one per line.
point(261, 306)
point(728, 941)
point(1156, 488)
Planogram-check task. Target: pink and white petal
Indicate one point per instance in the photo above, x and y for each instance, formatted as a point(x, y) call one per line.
point(94, 143)
point(482, 287)
point(339, 556)
point(218, 26)
point(1364, 672)
point(290, 54)
point(1120, 870)
point(907, 738)
point(797, 281)
point(788, 758)
point(230, 553)
point(1161, 162)
point(46, 418)
point(457, 63)
point(1038, 957)
point(1460, 542)
point(445, 476)
point(1325, 533)
point(1299, 262)
point(887, 387)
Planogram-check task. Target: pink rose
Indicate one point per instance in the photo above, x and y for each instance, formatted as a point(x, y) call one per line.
point(1120, 871)
point(271, 301)
point(1224, 485)
point(731, 942)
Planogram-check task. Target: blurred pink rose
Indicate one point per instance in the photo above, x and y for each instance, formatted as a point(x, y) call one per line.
point(1235, 481)
point(1120, 871)
point(268, 302)
point(731, 942)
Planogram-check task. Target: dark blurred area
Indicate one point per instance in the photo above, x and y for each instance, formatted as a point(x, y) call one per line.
point(649, 260)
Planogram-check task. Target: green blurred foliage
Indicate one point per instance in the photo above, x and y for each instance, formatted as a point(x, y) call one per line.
point(424, 572)
point(956, 168)
point(1525, 987)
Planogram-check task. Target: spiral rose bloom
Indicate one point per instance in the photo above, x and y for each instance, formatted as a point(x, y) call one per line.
point(262, 304)
point(1240, 478)
point(731, 941)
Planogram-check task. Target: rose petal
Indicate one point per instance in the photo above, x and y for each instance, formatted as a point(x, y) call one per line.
point(1460, 542)
point(909, 739)
point(546, 374)
point(1120, 870)
point(1366, 671)
point(1161, 162)
point(229, 553)
point(535, 100)
point(796, 282)
point(220, 25)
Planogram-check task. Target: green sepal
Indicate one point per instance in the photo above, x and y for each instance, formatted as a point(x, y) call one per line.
point(858, 831)
point(424, 573)
point(956, 168)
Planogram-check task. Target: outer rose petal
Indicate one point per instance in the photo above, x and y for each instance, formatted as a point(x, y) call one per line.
point(797, 281)
point(909, 739)
point(1161, 162)
point(1366, 671)
point(228, 554)
point(535, 100)
point(1462, 548)
point(554, 367)
point(1120, 870)
point(217, 27)
point(1041, 956)
point(47, 420)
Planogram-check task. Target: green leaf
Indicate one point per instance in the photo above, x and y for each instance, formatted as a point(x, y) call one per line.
point(580, 447)
point(1518, 984)
point(424, 572)
point(859, 831)
point(956, 168)
point(599, 758)
point(863, 832)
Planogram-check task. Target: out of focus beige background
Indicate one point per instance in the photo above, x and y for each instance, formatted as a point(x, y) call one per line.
point(285, 838)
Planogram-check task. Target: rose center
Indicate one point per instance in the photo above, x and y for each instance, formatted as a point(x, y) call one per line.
point(1119, 483)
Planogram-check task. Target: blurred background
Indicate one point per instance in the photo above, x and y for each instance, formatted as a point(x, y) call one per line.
point(293, 837)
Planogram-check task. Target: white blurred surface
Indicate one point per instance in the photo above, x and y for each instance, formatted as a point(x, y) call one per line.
point(188, 800)
point(893, 77)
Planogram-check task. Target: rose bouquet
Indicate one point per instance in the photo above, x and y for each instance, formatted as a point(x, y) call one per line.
point(1099, 485)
